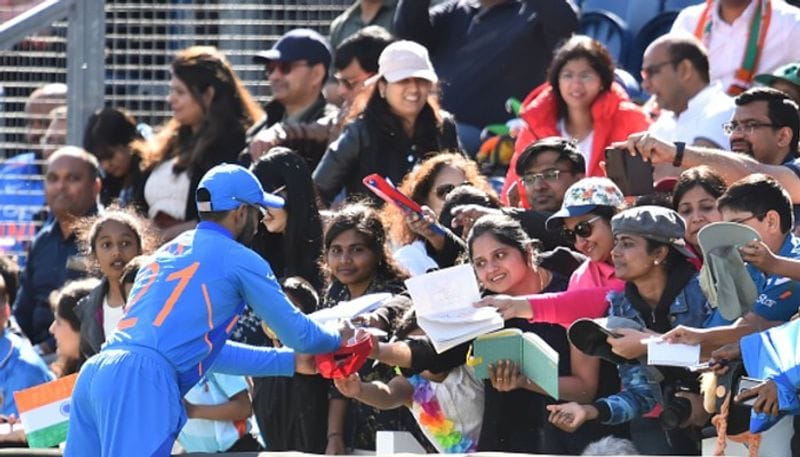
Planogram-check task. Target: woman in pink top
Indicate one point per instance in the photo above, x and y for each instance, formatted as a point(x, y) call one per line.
point(585, 217)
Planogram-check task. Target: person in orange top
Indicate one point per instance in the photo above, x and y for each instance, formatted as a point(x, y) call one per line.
point(580, 100)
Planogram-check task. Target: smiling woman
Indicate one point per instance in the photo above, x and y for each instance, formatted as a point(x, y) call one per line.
point(211, 113)
point(580, 100)
point(392, 125)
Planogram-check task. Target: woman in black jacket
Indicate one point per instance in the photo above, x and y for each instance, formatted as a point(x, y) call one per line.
point(395, 125)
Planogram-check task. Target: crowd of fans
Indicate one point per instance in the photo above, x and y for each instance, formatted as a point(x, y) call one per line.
point(551, 239)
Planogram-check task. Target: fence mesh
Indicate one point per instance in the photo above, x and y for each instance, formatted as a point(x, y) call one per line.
point(141, 39)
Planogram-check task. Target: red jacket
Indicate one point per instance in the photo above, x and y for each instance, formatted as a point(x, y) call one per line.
point(615, 118)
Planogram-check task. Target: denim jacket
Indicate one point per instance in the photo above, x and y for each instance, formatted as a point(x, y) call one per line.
point(640, 391)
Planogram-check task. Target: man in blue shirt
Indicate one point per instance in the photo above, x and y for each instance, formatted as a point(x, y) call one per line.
point(760, 202)
point(183, 306)
point(71, 186)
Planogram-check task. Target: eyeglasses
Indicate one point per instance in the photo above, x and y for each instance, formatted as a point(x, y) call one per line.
point(351, 84)
point(284, 67)
point(746, 128)
point(742, 221)
point(584, 77)
point(548, 176)
point(441, 191)
point(582, 229)
point(650, 70)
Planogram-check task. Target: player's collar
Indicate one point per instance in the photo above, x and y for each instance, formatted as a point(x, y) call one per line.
point(214, 227)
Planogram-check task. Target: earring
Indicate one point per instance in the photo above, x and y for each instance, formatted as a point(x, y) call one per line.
point(656, 262)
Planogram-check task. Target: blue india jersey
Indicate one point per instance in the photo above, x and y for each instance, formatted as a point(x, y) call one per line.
point(185, 303)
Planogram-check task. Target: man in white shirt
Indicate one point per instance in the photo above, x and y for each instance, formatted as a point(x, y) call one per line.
point(725, 28)
point(675, 72)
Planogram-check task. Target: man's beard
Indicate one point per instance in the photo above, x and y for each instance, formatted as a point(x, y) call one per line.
point(249, 231)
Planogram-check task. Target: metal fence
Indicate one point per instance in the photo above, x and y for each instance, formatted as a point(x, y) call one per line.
point(141, 37)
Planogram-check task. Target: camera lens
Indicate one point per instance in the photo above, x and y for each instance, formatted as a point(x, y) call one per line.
point(675, 413)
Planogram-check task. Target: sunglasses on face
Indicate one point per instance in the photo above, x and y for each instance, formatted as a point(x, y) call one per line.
point(442, 190)
point(582, 229)
point(284, 67)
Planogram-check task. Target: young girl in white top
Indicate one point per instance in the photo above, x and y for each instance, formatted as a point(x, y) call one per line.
point(110, 241)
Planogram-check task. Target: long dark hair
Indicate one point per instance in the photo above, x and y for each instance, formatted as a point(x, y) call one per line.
point(231, 112)
point(302, 238)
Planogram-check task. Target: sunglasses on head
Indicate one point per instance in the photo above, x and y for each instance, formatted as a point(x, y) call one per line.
point(442, 190)
point(582, 229)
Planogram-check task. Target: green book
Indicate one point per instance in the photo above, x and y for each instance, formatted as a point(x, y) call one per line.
point(537, 360)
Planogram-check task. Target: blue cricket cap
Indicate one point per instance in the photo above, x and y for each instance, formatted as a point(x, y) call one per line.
point(228, 186)
point(298, 44)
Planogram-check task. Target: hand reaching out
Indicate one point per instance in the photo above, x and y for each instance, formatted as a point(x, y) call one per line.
point(350, 386)
point(509, 307)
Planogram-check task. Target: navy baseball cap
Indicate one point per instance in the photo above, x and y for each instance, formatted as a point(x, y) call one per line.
point(228, 186)
point(298, 44)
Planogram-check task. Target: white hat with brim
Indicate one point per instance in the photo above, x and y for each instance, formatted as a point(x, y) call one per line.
point(404, 59)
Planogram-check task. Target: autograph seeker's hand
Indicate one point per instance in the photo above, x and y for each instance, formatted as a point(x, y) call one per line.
point(350, 386)
point(570, 416)
point(629, 343)
point(649, 147)
point(505, 376)
point(759, 255)
point(509, 307)
point(766, 395)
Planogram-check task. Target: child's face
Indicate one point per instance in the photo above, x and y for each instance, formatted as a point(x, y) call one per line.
point(67, 339)
point(114, 246)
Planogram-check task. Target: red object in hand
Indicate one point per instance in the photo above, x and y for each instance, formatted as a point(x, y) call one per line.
point(347, 360)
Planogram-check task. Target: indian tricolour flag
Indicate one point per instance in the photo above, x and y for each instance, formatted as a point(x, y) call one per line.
point(44, 411)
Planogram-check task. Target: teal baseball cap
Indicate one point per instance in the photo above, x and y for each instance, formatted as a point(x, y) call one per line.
point(228, 186)
point(789, 73)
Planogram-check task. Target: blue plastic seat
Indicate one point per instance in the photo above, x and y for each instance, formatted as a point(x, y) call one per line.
point(618, 7)
point(659, 25)
point(677, 5)
point(608, 29)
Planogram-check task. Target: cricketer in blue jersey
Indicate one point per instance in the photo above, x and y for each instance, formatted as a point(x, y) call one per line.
point(182, 307)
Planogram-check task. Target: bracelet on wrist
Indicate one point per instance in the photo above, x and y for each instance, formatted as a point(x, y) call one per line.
point(680, 147)
point(331, 435)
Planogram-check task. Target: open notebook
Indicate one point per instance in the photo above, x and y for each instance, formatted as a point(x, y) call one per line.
point(537, 360)
point(443, 301)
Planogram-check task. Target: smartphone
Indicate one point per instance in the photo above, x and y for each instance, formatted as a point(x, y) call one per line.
point(744, 384)
point(632, 174)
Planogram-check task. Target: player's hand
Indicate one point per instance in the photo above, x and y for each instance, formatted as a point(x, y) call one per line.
point(350, 386)
point(369, 320)
point(758, 254)
point(766, 395)
point(685, 335)
point(629, 344)
point(305, 363)
point(346, 332)
point(649, 147)
point(509, 307)
point(505, 376)
point(570, 416)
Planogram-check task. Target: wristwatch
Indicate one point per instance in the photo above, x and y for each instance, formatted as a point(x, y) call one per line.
point(680, 147)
